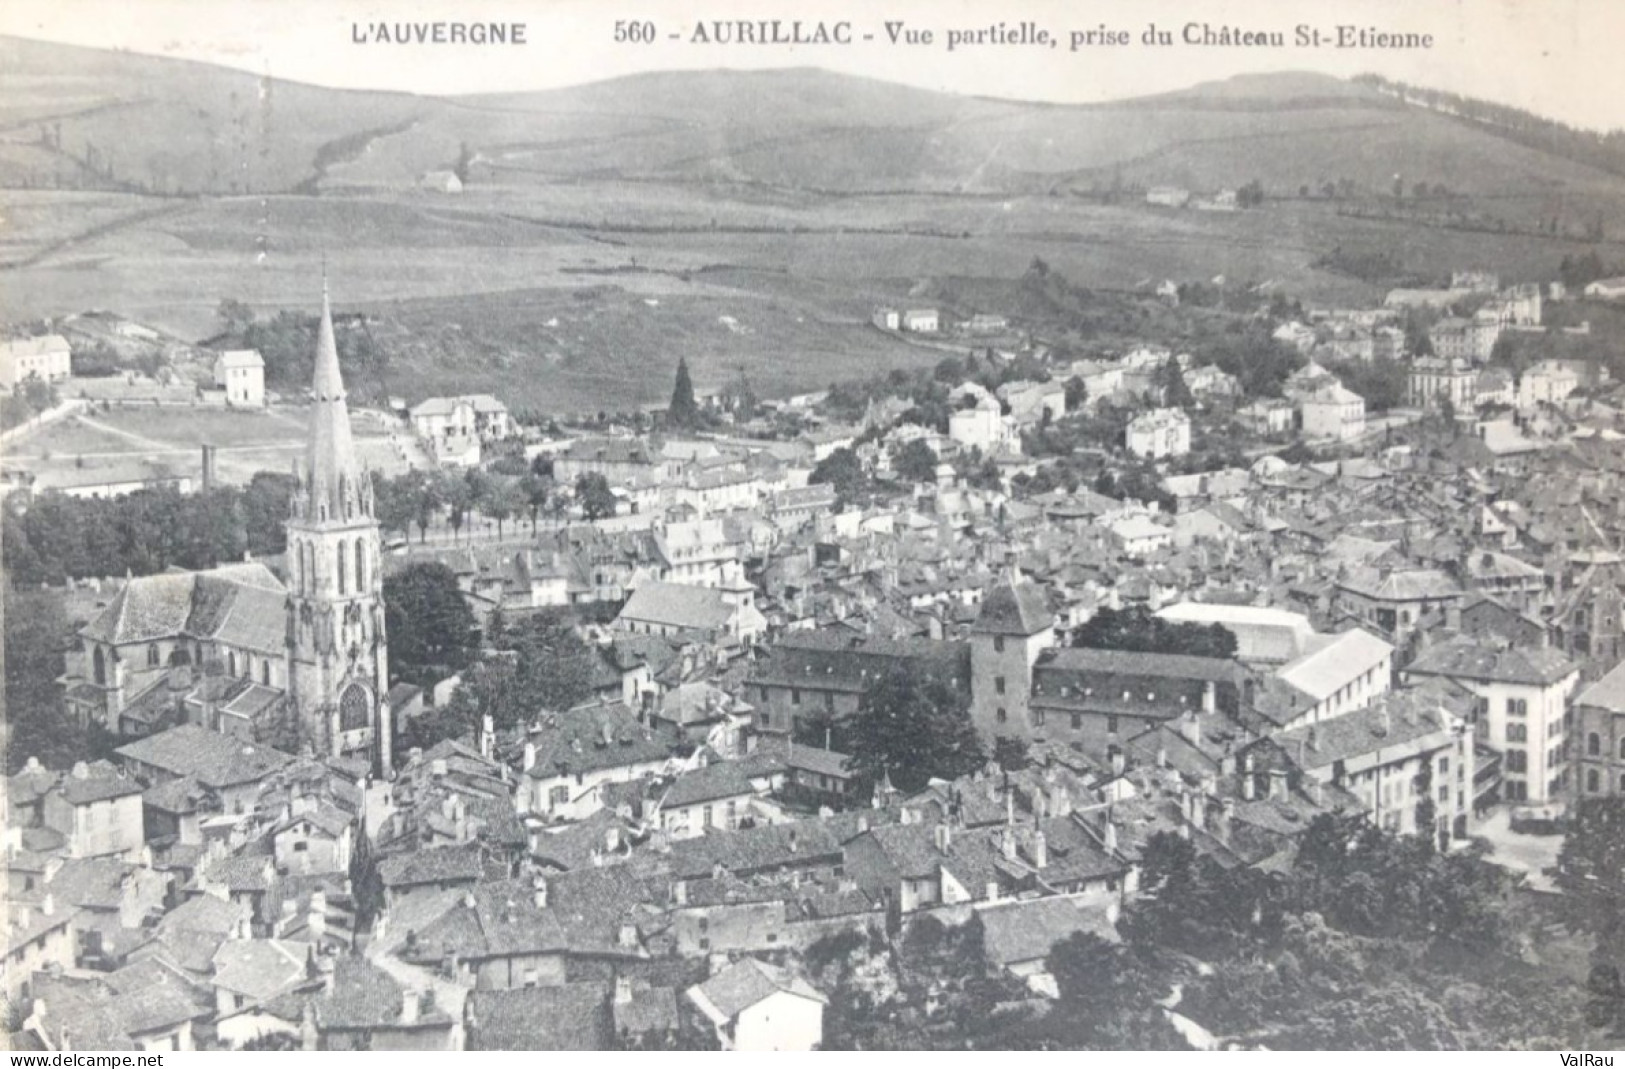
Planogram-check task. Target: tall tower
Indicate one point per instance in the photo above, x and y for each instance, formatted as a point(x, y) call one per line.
point(1013, 627)
point(338, 654)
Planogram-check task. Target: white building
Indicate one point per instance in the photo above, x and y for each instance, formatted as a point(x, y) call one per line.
point(1520, 709)
point(1334, 412)
point(1159, 433)
point(1546, 383)
point(983, 426)
point(478, 416)
point(921, 321)
point(49, 357)
point(241, 373)
point(760, 1007)
point(1608, 289)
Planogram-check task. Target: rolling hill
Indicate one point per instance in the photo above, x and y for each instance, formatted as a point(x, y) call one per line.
point(742, 219)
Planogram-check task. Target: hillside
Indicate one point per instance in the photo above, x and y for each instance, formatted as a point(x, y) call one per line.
point(82, 118)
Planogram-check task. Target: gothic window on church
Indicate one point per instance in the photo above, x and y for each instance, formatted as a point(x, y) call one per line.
point(299, 555)
point(353, 708)
point(100, 665)
point(152, 655)
point(340, 553)
point(360, 566)
point(310, 566)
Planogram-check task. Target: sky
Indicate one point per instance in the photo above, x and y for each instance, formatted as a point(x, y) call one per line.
point(1559, 58)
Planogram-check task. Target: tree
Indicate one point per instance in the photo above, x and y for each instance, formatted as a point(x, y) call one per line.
point(1109, 997)
point(1011, 752)
point(1170, 380)
point(912, 724)
point(1591, 873)
point(235, 316)
point(916, 462)
point(1138, 630)
point(1077, 393)
point(843, 471)
point(500, 498)
point(684, 411)
point(554, 666)
point(596, 499)
point(431, 629)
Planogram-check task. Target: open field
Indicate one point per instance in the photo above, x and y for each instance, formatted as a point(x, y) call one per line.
point(133, 440)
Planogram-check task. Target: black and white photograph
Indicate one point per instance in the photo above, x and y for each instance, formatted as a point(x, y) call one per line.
point(690, 525)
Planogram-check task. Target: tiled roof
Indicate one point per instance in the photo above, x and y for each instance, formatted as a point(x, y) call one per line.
point(197, 605)
point(715, 781)
point(1012, 609)
point(213, 759)
point(1151, 665)
point(1017, 932)
point(1466, 658)
point(746, 983)
point(678, 605)
point(96, 782)
point(1394, 720)
point(571, 1017)
point(443, 864)
point(1335, 662)
point(1608, 692)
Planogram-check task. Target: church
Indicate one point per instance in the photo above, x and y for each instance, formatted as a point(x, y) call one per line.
point(300, 661)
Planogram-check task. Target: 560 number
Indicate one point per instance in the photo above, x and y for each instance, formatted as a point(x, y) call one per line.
point(637, 33)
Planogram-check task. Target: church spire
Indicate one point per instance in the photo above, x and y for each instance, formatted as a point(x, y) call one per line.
point(334, 479)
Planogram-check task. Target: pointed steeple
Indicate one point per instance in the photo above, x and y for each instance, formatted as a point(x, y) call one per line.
point(333, 477)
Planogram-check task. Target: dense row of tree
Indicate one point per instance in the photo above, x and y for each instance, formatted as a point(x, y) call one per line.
point(51, 537)
point(287, 343)
point(1138, 630)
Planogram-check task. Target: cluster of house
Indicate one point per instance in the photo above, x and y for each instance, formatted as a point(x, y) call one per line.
point(1418, 635)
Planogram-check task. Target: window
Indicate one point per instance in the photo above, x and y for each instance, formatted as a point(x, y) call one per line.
point(1593, 745)
point(1001, 716)
point(829, 700)
point(99, 666)
point(998, 684)
point(339, 551)
point(1593, 781)
point(1517, 733)
point(265, 672)
point(1077, 721)
point(1517, 707)
point(1622, 749)
point(1444, 765)
point(1444, 793)
point(558, 796)
point(299, 558)
point(354, 711)
point(1111, 725)
point(795, 695)
point(998, 643)
point(1038, 718)
point(301, 847)
point(1517, 761)
point(231, 663)
point(706, 817)
point(360, 566)
point(152, 655)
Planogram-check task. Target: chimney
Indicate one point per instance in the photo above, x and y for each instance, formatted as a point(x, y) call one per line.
point(48, 906)
point(1041, 849)
point(530, 755)
point(326, 966)
point(81, 770)
point(1060, 800)
point(316, 920)
point(1227, 813)
point(1007, 843)
point(488, 731)
point(411, 1005)
point(1278, 790)
point(208, 479)
point(679, 892)
point(538, 892)
point(1119, 760)
point(1109, 835)
point(1312, 787)
point(623, 990)
point(1190, 727)
point(943, 837)
point(1162, 755)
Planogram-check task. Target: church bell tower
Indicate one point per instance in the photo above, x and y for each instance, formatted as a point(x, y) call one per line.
point(338, 654)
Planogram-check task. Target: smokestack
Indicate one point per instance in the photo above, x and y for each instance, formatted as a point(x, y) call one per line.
point(411, 1005)
point(208, 479)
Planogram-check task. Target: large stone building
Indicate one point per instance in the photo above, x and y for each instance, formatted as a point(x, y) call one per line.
point(303, 663)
